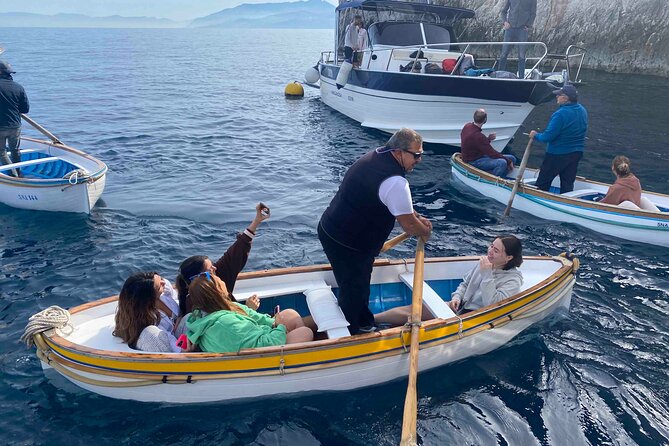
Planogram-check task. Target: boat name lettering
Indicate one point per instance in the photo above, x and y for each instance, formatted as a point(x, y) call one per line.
point(27, 197)
point(336, 93)
point(350, 98)
point(662, 225)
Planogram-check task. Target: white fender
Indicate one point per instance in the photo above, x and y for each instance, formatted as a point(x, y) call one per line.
point(312, 75)
point(344, 72)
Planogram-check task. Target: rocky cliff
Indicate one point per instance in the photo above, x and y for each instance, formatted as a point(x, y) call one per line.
point(619, 35)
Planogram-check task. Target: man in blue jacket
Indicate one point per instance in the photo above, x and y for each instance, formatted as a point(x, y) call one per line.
point(13, 102)
point(565, 136)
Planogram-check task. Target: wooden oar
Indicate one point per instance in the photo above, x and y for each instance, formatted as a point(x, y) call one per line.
point(41, 129)
point(411, 401)
point(394, 241)
point(521, 171)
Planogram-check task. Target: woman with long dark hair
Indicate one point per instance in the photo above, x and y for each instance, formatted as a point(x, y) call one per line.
point(138, 318)
point(227, 267)
point(494, 278)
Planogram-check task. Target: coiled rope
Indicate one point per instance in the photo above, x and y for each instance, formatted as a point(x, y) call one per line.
point(52, 317)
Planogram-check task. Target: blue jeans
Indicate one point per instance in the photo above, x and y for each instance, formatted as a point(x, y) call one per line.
point(496, 166)
point(514, 35)
point(10, 139)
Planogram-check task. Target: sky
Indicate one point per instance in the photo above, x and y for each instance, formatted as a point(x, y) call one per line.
point(169, 9)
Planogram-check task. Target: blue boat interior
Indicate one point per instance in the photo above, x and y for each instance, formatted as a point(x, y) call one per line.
point(47, 171)
point(382, 297)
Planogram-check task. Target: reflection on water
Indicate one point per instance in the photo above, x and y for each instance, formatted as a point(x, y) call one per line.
point(196, 131)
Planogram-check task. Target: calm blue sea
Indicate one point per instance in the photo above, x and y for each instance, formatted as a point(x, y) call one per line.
point(195, 130)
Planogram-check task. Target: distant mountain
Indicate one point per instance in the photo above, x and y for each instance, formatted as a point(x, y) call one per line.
point(26, 20)
point(301, 14)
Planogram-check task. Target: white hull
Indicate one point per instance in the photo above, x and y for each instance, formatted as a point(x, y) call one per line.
point(438, 119)
point(327, 374)
point(56, 195)
point(638, 226)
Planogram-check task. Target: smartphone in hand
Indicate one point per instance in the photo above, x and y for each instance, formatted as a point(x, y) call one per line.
point(182, 342)
point(277, 310)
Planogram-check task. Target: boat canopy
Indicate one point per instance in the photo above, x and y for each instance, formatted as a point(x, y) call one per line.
point(444, 12)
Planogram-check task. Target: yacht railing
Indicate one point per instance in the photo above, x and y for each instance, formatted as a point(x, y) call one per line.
point(572, 53)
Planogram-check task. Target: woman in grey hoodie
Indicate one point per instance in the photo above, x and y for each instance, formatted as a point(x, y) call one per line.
point(495, 278)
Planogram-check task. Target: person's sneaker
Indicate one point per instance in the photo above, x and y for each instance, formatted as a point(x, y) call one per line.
point(367, 329)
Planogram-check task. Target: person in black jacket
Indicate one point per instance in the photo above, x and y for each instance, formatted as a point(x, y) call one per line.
point(13, 102)
point(518, 18)
point(352, 230)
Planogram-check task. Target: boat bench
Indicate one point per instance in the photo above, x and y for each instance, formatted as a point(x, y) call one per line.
point(322, 303)
point(581, 193)
point(22, 164)
point(431, 299)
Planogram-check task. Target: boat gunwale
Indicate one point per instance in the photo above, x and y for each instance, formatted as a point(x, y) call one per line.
point(56, 182)
point(456, 161)
point(544, 289)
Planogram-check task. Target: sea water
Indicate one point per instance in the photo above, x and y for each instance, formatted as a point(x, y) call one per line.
point(195, 130)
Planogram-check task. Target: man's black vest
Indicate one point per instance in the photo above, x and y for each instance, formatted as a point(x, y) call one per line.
point(356, 217)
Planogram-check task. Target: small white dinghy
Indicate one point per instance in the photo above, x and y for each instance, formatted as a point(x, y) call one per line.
point(88, 355)
point(579, 206)
point(55, 177)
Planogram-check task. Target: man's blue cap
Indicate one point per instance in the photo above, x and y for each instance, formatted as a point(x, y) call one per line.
point(569, 91)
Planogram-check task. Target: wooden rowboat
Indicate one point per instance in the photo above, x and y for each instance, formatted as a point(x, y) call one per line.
point(578, 206)
point(93, 359)
point(55, 177)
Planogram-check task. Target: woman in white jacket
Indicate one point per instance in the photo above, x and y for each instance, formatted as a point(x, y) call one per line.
point(495, 278)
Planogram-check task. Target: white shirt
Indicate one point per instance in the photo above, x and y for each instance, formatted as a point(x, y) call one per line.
point(394, 192)
point(351, 36)
point(170, 298)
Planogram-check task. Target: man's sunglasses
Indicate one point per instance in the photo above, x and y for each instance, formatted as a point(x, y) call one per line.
point(205, 274)
point(416, 155)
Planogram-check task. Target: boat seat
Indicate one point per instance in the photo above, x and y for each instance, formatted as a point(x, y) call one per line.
point(280, 289)
point(326, 312)
point(581, 193)
point(22, 164)
point(530, 182)
point(431, 299)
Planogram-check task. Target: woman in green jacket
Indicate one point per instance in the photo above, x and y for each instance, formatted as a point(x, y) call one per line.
point(219, 325)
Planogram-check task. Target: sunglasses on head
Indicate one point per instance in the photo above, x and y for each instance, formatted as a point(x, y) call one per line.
point(205, 274)
point(416, 155)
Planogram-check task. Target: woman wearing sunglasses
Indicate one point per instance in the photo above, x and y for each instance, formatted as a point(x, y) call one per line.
point(218, 324)
point(140, 320)
point(227, 268)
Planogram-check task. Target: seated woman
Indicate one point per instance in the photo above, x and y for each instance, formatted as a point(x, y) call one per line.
point(218, 324)
point(227, 268)
point(495, 278)
point(138, 319)
point(626, 191)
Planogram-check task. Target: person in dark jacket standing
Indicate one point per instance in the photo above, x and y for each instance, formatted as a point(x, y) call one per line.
point(565, 136)
point(13, 102)
point(352, 230)
point(518, 18)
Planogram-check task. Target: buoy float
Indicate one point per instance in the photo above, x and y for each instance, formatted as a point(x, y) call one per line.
point(294, 90)
point(312, 75)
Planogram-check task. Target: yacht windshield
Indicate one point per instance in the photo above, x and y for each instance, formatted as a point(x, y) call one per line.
point(407, 34)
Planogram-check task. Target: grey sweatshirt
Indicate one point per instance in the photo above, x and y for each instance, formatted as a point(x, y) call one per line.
point(484, 287)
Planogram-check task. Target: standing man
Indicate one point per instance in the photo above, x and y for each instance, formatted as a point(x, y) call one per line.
point(13, 102)
point(565, 136)
point(351, 37)
point(352, 230)
point(518, 18)
point(477, 150)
